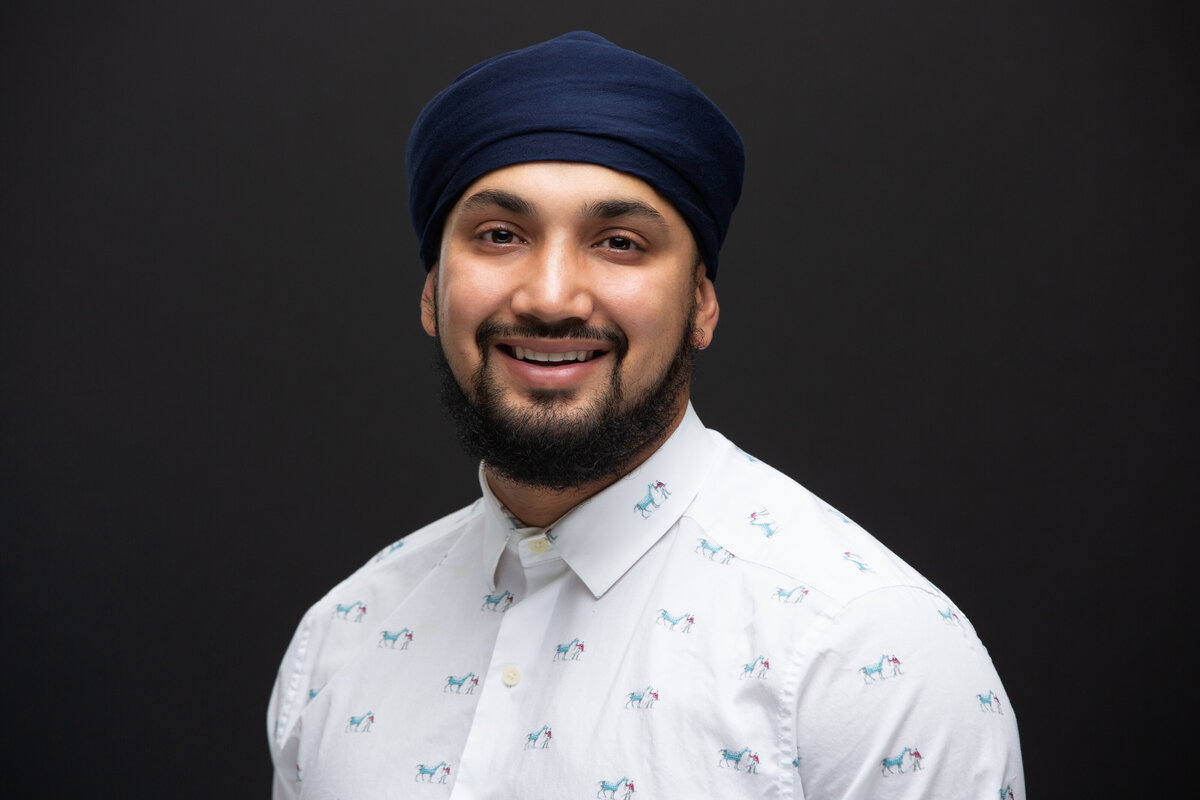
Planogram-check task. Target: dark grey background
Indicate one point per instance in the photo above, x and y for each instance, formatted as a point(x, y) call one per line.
point(957, 303)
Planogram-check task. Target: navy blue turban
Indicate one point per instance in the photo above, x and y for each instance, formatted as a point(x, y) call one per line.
point(581, 98)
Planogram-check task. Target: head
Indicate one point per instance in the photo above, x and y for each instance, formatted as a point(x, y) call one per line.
point(571, 233)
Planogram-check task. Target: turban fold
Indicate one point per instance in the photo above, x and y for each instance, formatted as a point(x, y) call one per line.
point(577, 98)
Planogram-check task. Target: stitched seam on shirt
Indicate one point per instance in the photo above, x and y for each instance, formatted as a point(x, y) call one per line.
point(799, 665)
point(845, 606)
point(283, 722)
point(453, 524)
point(457, 520)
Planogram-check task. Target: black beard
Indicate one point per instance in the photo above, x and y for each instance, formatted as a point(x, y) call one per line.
point(539, 446)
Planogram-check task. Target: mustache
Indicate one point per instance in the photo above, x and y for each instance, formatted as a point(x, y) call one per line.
point(572, 328)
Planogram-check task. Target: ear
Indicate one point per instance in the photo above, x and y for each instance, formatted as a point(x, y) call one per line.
point(428, 307)
point(708, 311)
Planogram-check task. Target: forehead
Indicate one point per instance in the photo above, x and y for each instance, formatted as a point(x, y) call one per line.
point(549, 187)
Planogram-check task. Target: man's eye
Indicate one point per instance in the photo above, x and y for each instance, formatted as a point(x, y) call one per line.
point(500, 236)
point(620, 243)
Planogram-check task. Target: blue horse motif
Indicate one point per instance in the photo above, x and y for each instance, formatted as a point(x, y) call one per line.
point(837, 513)
point(637, 697)
point(391, 637)
point(360, 724)
point(711, 550)
point(1007, 793)
point(426, 773)
point(648, 503)
point(760, 663)
point(493, 602)
point(856, 560)
point(532, 739)
point(513, 522)
point(344, 611)
point(729, 757)
point(948, 616)
point(457, 683)
point(873, 672)
point(387, 551)
point(562, 650)
point(671, 622)
point(986, 702)
point(793, 595)
point(749, 457)
point(610, 789)
point(894, 762)
point(762, 519)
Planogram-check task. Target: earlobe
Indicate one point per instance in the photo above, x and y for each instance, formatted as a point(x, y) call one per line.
point(708, 311)
point(429, 303)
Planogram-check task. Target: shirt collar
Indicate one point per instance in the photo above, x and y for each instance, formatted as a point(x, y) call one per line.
point(605, 535)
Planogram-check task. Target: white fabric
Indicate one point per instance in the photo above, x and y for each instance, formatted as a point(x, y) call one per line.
point(705, 627)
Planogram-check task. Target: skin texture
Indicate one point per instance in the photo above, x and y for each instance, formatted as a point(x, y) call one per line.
point(563, 257)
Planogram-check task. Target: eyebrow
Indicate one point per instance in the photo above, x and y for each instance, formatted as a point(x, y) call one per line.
point(501, 199)
point(611, 209)
point(600, 209)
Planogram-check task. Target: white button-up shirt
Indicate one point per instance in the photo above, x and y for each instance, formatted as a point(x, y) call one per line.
point(704, 627)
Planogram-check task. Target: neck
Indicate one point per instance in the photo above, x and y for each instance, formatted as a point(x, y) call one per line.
point(538, 507)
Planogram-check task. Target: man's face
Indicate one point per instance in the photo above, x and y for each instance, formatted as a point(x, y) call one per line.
point(564, 301)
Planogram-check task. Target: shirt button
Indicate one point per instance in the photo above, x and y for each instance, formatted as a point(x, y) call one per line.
point(539, 545)
point(511, 676)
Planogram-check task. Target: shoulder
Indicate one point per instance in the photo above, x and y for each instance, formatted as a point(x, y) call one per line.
point(898, 670)
point(331, 631)
point(407, 558)
point(390, 571)
point(421, 540)
point(767, 518)
point(875, 647)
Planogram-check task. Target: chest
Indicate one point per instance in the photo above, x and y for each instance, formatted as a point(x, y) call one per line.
point(674, 683)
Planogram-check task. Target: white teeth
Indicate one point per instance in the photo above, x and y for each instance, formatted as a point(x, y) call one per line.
point(525, 354)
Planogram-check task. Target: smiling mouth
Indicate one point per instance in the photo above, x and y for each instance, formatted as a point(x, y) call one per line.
point(531, 356)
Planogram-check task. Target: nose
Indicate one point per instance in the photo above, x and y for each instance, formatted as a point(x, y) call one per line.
point(553, 284)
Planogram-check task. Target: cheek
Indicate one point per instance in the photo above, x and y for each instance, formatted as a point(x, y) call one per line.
point(652, 316)
point(463, 305)
point(645, 297)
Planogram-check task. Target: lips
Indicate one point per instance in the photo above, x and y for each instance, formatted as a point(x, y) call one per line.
point(553, 345)
point(533, 356)
point(550, 365)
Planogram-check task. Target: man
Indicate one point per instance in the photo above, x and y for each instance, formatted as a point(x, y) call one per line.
point(571, 199)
